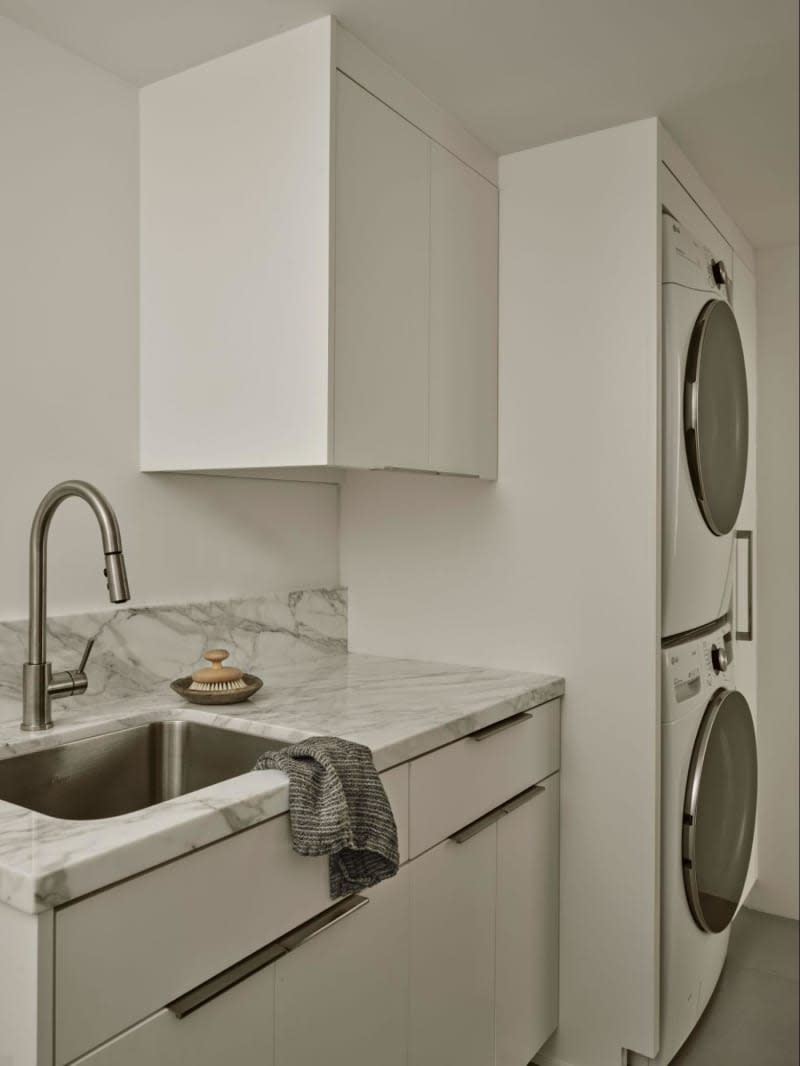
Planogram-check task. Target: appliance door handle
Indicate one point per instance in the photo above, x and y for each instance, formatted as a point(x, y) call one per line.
point(745, 634)
point(259, 960)
point(499, 727)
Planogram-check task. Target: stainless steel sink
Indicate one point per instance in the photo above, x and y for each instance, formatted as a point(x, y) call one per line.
point(129, 769)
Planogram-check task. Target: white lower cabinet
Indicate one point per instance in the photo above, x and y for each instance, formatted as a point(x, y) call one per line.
point(453, 962)
point(451, 1015)
point(526, 971)
point(484, 938)
point(342, 996)
point(236, 1028)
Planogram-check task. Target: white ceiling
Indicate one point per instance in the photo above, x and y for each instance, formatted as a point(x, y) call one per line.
point(722, 74)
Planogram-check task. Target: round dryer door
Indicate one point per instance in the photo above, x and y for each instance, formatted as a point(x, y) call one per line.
point(715, 416)
point(719, 813)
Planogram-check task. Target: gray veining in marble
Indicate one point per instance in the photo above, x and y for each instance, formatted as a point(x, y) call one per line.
point(399, 708)
point(138, 649)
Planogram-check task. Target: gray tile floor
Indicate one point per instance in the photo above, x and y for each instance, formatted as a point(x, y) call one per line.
point(752, 1019)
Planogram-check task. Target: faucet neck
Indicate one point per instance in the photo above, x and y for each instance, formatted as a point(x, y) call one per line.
point(112, 546)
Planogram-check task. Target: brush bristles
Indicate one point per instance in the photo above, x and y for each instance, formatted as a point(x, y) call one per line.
point(217, 686)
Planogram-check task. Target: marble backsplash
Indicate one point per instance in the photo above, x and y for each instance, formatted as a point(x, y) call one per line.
point(138, 649)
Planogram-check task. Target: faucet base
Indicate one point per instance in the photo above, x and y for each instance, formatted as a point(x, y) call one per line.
point(36, 679)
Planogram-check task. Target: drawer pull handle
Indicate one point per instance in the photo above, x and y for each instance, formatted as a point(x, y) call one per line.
point(478, 826)
point(499, 727)
point(322, 922)
point(523, 798)
point(221, 982)
point(262, 958)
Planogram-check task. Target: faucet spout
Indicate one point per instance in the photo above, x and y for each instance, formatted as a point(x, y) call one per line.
point(39, 687)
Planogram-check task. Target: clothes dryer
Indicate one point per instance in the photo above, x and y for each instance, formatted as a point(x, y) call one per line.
point(705, 433)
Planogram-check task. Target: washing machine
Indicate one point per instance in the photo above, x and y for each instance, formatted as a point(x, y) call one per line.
point(709, 780)
point(705, 430)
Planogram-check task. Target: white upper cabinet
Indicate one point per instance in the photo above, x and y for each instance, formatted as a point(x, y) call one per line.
point(318, 269)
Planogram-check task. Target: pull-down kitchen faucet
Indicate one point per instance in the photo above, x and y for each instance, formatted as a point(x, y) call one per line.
point(40, 686)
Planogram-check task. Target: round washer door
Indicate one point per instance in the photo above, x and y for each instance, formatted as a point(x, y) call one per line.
point(719, 813)
point(715, 418)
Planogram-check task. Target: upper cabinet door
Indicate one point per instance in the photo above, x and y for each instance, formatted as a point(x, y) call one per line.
point(382, 183)
point(463, 322)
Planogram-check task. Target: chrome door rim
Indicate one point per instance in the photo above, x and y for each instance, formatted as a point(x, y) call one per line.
point(690, 810)
point(691, 417)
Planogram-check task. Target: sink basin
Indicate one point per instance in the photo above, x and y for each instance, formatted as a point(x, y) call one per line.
point(128, 770)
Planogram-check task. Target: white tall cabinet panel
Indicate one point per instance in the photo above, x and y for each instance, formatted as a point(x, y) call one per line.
point(382, 284)
point(451, 1018)
point(745, 585)
point(342, 997)
point(526, 971)
point(463, 319)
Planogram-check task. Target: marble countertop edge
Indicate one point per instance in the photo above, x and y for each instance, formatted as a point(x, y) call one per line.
point(401, 709)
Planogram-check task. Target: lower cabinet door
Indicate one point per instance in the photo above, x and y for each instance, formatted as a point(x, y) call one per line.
point(527, 925)
point(452, 953)
point(342, 996)
point(234, 1029)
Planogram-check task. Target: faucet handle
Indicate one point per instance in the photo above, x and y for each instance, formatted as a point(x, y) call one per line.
point(71, 682)
point(87, 651)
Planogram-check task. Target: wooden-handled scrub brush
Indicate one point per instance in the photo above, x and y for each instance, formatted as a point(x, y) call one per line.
point(217, 684)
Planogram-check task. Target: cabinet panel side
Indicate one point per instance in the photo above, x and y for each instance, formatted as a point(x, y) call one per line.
point(463, 327)
point(235, 244)
point(26, 988)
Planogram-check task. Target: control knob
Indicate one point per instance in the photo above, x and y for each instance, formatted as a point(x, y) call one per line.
point(719, 273)
point(719, 659)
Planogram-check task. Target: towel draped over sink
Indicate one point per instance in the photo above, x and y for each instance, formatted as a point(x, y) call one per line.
point(338, 807)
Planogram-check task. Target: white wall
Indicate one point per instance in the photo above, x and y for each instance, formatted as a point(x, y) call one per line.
point(69, 343)
point(555, 566)
point(777, 603)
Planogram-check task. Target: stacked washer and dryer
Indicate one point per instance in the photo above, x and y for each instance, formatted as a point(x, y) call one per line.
point(708, 749)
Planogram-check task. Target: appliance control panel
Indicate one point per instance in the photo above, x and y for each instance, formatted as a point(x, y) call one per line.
point(685, 665)
point(699, 664)
point(688, 262)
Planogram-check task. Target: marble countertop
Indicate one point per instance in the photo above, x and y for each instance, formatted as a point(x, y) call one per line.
point(399, 708)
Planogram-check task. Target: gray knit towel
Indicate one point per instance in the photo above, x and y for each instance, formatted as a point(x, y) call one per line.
point(338, 807)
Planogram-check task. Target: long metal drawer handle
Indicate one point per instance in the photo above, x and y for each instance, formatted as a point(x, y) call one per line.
point(262, 958)
point(523, 798)
point(478, 826)
point(221, 982)
point(499, 727)
point(323, 921)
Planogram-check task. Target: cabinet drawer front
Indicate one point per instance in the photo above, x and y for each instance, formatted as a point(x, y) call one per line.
point(237, 1028)
point(127, 951)
point(455, 785)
